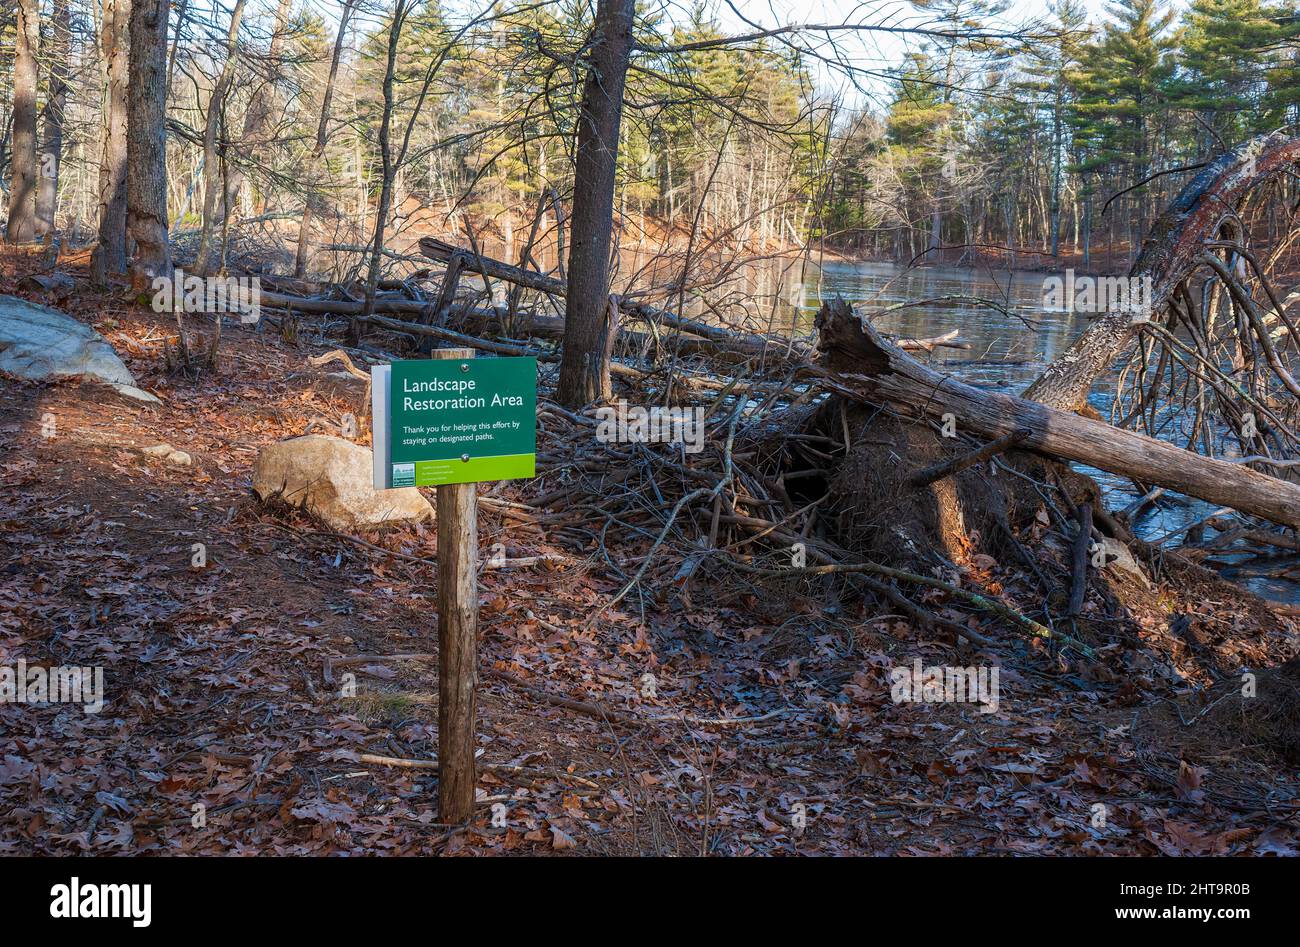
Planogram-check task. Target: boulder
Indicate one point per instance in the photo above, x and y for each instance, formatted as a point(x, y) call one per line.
point(331, 478)
point(39, 343)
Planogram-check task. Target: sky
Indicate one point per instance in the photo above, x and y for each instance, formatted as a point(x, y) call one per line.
point(878, 52)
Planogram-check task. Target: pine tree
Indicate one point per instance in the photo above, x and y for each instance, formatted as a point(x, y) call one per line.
point(1227, 59)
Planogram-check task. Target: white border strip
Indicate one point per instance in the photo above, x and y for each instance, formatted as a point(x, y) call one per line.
point(382, 469)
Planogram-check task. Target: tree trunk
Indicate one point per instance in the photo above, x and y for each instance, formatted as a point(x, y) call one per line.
point(315, 199)
point(214, 193)
point(146, 142)
point(1055, 223)
point(109, 255)
point(386, 159)
point(47, 193)
point(589, 318)
point(23, 165)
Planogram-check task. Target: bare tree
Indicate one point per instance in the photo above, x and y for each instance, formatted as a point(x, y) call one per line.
point(146, 145)
point(400, 11)
point(23, 165)
point(214, 192)
point(314, 201)
point(590, 316)
point(258, 116)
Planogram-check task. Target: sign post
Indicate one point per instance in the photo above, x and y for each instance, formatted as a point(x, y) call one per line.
point(450, 423)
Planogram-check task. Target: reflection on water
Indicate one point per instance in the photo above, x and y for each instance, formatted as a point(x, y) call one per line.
point(1010, 346)
point(1006, 353)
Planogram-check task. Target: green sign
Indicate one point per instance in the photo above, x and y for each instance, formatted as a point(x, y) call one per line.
point(452, 421)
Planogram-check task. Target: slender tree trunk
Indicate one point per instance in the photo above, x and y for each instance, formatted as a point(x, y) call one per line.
point(589, 327)
point(23, 165)
point(258, 115)
point(386, 159)
point(109, 255)
point(47, 192)
point(146, 142)
point(214, 193)
point(1056, 174)
point(315, 199)
point(1087, 225)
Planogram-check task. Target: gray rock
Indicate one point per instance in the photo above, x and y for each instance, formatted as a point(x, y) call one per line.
point(39, 343)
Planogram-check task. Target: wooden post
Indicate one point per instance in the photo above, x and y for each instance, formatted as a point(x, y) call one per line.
point(457, 640)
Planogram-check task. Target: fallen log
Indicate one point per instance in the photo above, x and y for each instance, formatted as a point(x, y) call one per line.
point(727, 340)
point(861, 364)
point(341, 307)
point(496, 269)
point(514, 349)
point(726, 345)
point(1079, 568)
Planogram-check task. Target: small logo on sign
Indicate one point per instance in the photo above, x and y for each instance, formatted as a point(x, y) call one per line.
point(403, 475)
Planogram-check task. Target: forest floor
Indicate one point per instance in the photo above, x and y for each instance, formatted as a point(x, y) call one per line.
point(225, 697)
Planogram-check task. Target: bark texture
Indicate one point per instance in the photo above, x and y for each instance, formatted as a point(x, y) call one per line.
point(590, 318)
point(146, 144)
point(23, 163)
point(47, 189)
point(109, 255)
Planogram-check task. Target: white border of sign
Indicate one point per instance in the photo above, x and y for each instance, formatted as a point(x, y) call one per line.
point(379, 410)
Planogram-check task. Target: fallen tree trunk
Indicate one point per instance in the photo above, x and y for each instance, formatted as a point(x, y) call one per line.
point(496, 269)
point(510, 348)
point(860, 364)
point(1171, 252)
point(724, 344)
point(726, 341)
point(339, 306)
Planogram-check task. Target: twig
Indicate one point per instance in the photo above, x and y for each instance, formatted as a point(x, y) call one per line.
point(947, 468)
point(979, 601)
point(1081, 543)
